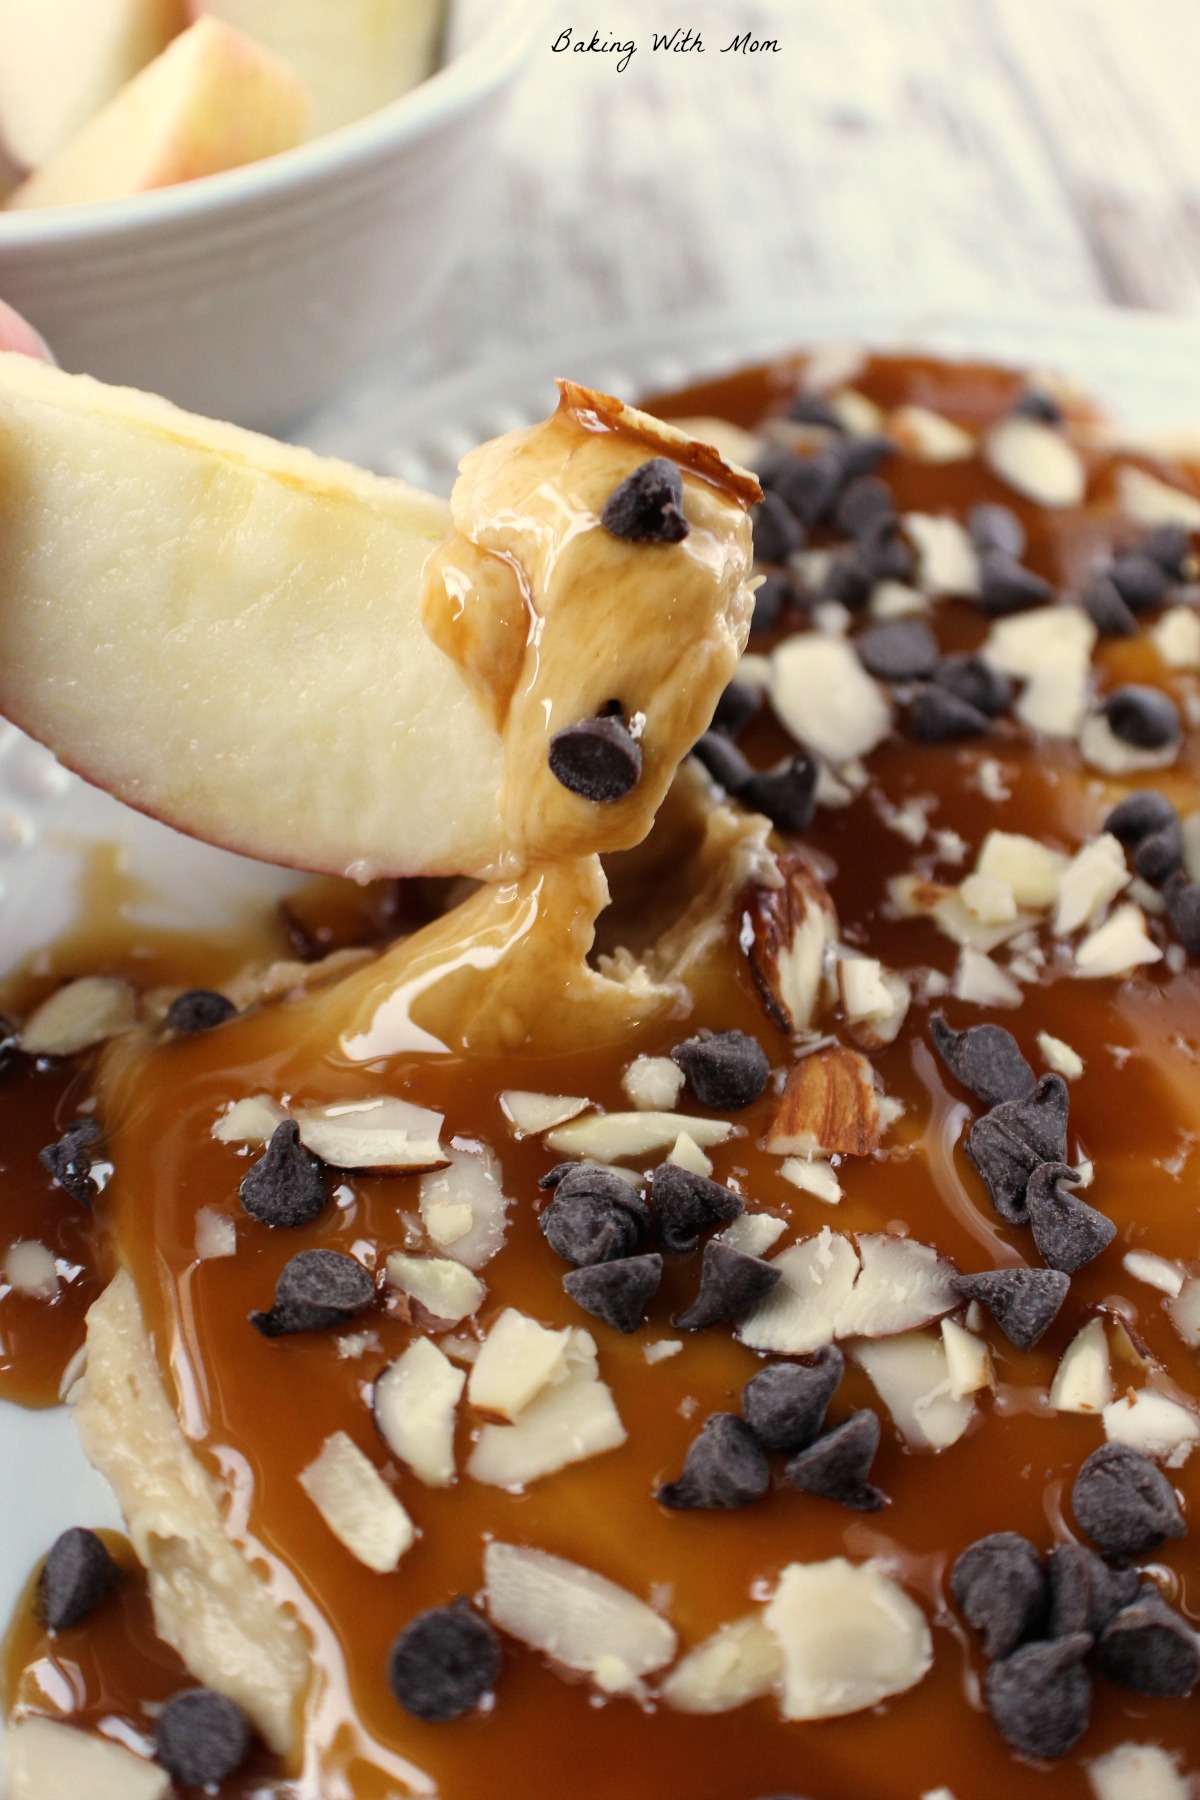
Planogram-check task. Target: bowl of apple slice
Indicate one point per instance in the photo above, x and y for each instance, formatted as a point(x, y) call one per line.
point(235, 202)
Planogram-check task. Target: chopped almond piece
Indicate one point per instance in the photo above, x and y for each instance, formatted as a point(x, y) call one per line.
point(1153, 1424)
point(575, 1617)
point(1122, 943)
point(530, 1113)
point(850, 1637)
point(519, 1358)
point(358, 1505)
point(786, 932)
point(739, 1663)
point(445, 1288)
point(653, 1083)
point(829, 1107)
point(1032, 870)
point(1083, 1380)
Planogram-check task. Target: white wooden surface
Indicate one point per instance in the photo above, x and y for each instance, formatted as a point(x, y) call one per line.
point(930, 153)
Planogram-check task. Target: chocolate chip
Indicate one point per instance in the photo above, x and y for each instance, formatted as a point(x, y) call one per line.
point(1183, 909)
point(886, 553)
point(1006, 586)
point(814, 409)
point(647, 508)
point(444, 1662)
point(1142, 716)
point(724, 1467)
point(200, 1737)
point(973, 680)
point(1141, 581)
point(1084, 1592)
point(75, 1577)
point(316, 1289)
point(848, 580)
point(994, 527)
point(285, 1186)
point(864, 505)
point(1149, 1649)
point(863, 455)
point(1036, 403)
point(723, 761)
point(587, 1222)
point(1102, 602)
point(778, 533)
point(553, 1176)
point(1160, 854)
point(837, 1465)
point(1068, 1233)
point(1040, 1697)
point(727, 1070)
point(1140, 815)
point(730, 1283)
point(1000, 1590)
point(1023, 1302)
point(738, 704)
point(199, 1009)
point(986, 1059)
point(785, 1402)
point(685, 1204)
point(70, 1160)
point(771, 599)
point(616, 1293)
point(810, 485)
point(585, 1178)
point(787, 794)
point(596, 759)
point(900, 650)
point(1124, 1503)
point(937, 716)
point(1170, 546)
point(1010, 1141)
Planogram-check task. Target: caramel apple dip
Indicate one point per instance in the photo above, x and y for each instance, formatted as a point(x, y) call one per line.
point(677, 1281)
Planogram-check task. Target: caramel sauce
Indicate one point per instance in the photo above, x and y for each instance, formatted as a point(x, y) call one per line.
point(256, 1411)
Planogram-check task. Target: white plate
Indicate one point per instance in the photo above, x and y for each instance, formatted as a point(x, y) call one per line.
point(1146, 369)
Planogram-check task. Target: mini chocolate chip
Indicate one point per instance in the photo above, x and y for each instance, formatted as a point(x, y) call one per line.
point(616, 1293)
point(1170, 546)
point(972, 679)
point(1149, 1649)
point(863, 455)
point(1101, 601)
point(1141, 581)
point(837, 1465)
point(1006, 586)
point(69, 1161)
point(727, 1070)
point(200, 1737)
point(1040, 1697)
point(444, 1662)
point(786, 794)
point(723, 761)
point(814, 409)
point(1036, 403)
point(587, 1229)
point(596, 759)
point(724, 1467)
point(647, 508)
point(316, 1289)
point(885, 552)
point(863, 505)
point(685, 1204)
point(285, 1186)
point(810, 485)
point(1000, 1590)
point(785, 1402)
point(1160, 854)
point(986, 1059)
point(1068, 1233)
point(738, 704)
point(199, 1009)
point(778, 533)
point(1084, 1592)
point(1140, 815)
point(730, 1283)
point(848, 580)
point(1011, 1140)
point(1023, 1302)
point(75, 1577)
point(900, 650)
point(1142, 716)
point(1124, 1503)
point(995, 527)
point(1183, 909)
point(937, 716)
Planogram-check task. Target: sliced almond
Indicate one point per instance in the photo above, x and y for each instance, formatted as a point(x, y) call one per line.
point(930, 436)
point(828, 1107)
point(801, 1315)
point(1121, 944)
point(1060, 1056)
point(1155, 1271)
point(981, 982)
point(30, 1269)
point(968, 1360)
point(786, 932)
point(530, 1113)
point(947, 560)
point(1036, 460)
point(812, 1176)
point(1176, 637)
point(850, 1637)
point(1083, 1380)
point(445, 1288)
point(1033, 870)
point(988, 898)
point(1102, 749)
point(577, 1618)
point(216, 1234)
point(79, 1016)
point(611, 1137)
point(519, 1358)
point(465, 1208)
point(902, 1284)
point(357, 1504)
point(1148, 501)
point(415, 1401)
point(1184, 1311)
point(824, 697)
point(250, 1121)
point(653, 1083)
point(1027, 643)
point(48, 1761)
point(386, 1136)
point(753, 1233)
point(567, 1423)
point(1055, 701)
point(911, 1375)
point(1139, 1772)
point(740, 1662)
point(896, 600)
point(1151, 1423)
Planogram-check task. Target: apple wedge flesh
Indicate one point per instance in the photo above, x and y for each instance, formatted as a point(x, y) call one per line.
point(233, 635)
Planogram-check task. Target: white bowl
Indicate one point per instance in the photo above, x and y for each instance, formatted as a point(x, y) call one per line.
point(251, 295)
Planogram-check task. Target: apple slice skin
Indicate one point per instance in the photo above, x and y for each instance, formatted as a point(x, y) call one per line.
point(238, 637)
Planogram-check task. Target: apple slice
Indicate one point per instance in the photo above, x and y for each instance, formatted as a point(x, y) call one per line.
point(213, 100)
point(355, 55)
point(62, 60)
point(244, 640)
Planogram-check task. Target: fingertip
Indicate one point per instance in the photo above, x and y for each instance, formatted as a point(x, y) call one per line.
point(18, 334)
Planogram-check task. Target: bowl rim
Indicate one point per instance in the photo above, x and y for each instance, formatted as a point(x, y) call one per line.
point(484, 65)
